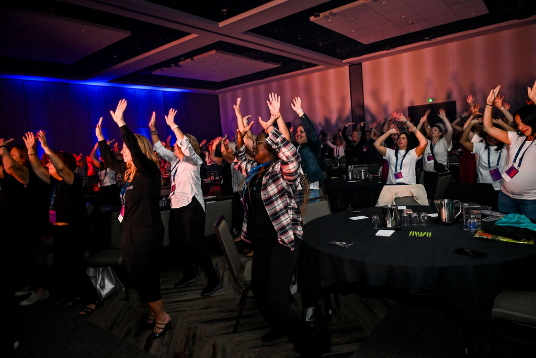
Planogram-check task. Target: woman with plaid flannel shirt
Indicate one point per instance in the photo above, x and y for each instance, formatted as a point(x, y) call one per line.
point(272, 224)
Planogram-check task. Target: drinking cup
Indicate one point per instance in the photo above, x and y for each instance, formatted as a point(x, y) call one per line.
point(405, 219)
point(423, 219)
point(414, 219)
point(375, 221)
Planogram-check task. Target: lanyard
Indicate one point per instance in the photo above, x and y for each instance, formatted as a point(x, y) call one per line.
point(123, 193)
point(498, 159)
point(250, 175)
point(522, 155)
point(53, 197)
point(402, 161)
point(173, 174)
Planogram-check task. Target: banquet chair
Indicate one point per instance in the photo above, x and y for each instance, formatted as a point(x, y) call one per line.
point(516, 311)
point(113, 255)
point(411, 194)
point(241, 272)
point(442, 181)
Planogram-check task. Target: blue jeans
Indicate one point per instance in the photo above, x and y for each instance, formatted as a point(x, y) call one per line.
point(313, 193)
point(517, 206)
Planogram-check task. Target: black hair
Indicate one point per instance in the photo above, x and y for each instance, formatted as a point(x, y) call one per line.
point(411, 142)
point(527, 115)
point(485, 136)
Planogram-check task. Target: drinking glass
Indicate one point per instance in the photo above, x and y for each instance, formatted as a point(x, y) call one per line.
point(405, 219)
point(414, 219)
point(375, 221)
point(423, 218)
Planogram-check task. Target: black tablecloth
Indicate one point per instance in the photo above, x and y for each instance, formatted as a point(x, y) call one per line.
point(420, 265)
point(358, 194)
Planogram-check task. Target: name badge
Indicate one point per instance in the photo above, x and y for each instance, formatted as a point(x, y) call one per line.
point(52, 216)
point(430, 158)
point(510, 173)
point(398, 177)
point(121, 214)
point(495, 174)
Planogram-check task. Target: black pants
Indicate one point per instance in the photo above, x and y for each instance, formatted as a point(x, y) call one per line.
point(273, 267)
point(141, 253)
point(430, 181)
point(186, 233)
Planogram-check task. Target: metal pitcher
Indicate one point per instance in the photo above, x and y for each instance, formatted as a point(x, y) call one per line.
point(447, 209)
point(390, 216)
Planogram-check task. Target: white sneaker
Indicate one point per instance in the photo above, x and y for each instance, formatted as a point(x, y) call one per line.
point(35, 297)
point(24, 291)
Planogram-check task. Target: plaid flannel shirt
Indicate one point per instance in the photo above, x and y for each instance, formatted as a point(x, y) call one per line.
point(278, 187)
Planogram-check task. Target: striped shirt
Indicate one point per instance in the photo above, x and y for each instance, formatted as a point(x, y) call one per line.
point(278, 188)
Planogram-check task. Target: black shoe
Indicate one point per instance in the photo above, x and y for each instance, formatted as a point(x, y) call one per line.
point(185, 281)
point(148, 323)
point(163, 326)
point(210, 288)
point(271, 336)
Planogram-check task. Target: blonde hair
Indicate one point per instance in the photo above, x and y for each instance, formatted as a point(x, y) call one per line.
point(194, 143)
point(147, 149)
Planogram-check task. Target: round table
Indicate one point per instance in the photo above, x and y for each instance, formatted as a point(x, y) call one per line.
point(419, 265)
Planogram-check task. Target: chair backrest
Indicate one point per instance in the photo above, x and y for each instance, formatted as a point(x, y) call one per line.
point(216, 207)
point(316, 209)
point(374, 168)
point(116, 232)
point(228, 247)
point(443, 180)
point(406, 200)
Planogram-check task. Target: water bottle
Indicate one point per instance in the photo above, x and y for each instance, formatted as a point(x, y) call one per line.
point(472, 224)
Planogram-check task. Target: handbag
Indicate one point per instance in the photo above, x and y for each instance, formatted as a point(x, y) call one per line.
point(105, 281)
point(438, 167)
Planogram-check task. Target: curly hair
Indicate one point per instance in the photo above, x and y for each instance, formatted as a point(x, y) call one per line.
point(147, 149)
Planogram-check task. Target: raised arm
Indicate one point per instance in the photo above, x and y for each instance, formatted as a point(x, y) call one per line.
point(495, 132)
point(93, 156)
point(448, 127)
point(41, 172)
point(117, 166)
point(65, 173)
point(212, 150)
point(531, 92)
point(152, 128)
point(378, 143)
point(11, 166)
point(464, 139)
point(424, 122)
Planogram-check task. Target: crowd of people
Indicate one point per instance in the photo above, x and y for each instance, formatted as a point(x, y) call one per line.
point(271, 175)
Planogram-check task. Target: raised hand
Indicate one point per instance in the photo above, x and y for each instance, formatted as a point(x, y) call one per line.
point(475, 110)
point(98, 130)
point(360, 124)
point(5, 142)
point(296, 104)
point(152, 122)
point(492, 95)
point(274, 102)
point(442, 114)
point(170, 118)
point(42, 136)
point(393, 130)
point(470, 99)
point(531, 92)
point(268, 125)
point(203, 142)
point(398, 116)
point(118, 114)
point(29, 140)
point(498, 102)
point(236, 107)
point(506, 105)
point(245, 119)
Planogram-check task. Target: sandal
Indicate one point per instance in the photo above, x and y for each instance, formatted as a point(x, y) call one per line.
point(162, 326)
point(86, 311)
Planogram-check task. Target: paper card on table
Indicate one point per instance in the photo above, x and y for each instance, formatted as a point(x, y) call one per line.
point(402, 207)
point(385, 232)
point(433, 215)
point(361, 217)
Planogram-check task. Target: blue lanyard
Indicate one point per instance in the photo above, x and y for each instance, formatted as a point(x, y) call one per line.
point(522, 155)
point(402, 161)
point(53, 197)
point(498, 159)
point(173, 174)
point(250, 175)
point(123, 193)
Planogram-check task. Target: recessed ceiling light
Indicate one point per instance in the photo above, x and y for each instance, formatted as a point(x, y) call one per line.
point(403, 16)
point(410, 22)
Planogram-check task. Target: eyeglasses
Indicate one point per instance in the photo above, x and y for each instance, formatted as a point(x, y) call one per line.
point(259, 141)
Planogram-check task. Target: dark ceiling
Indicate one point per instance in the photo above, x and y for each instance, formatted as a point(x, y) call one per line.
point(139, 42)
